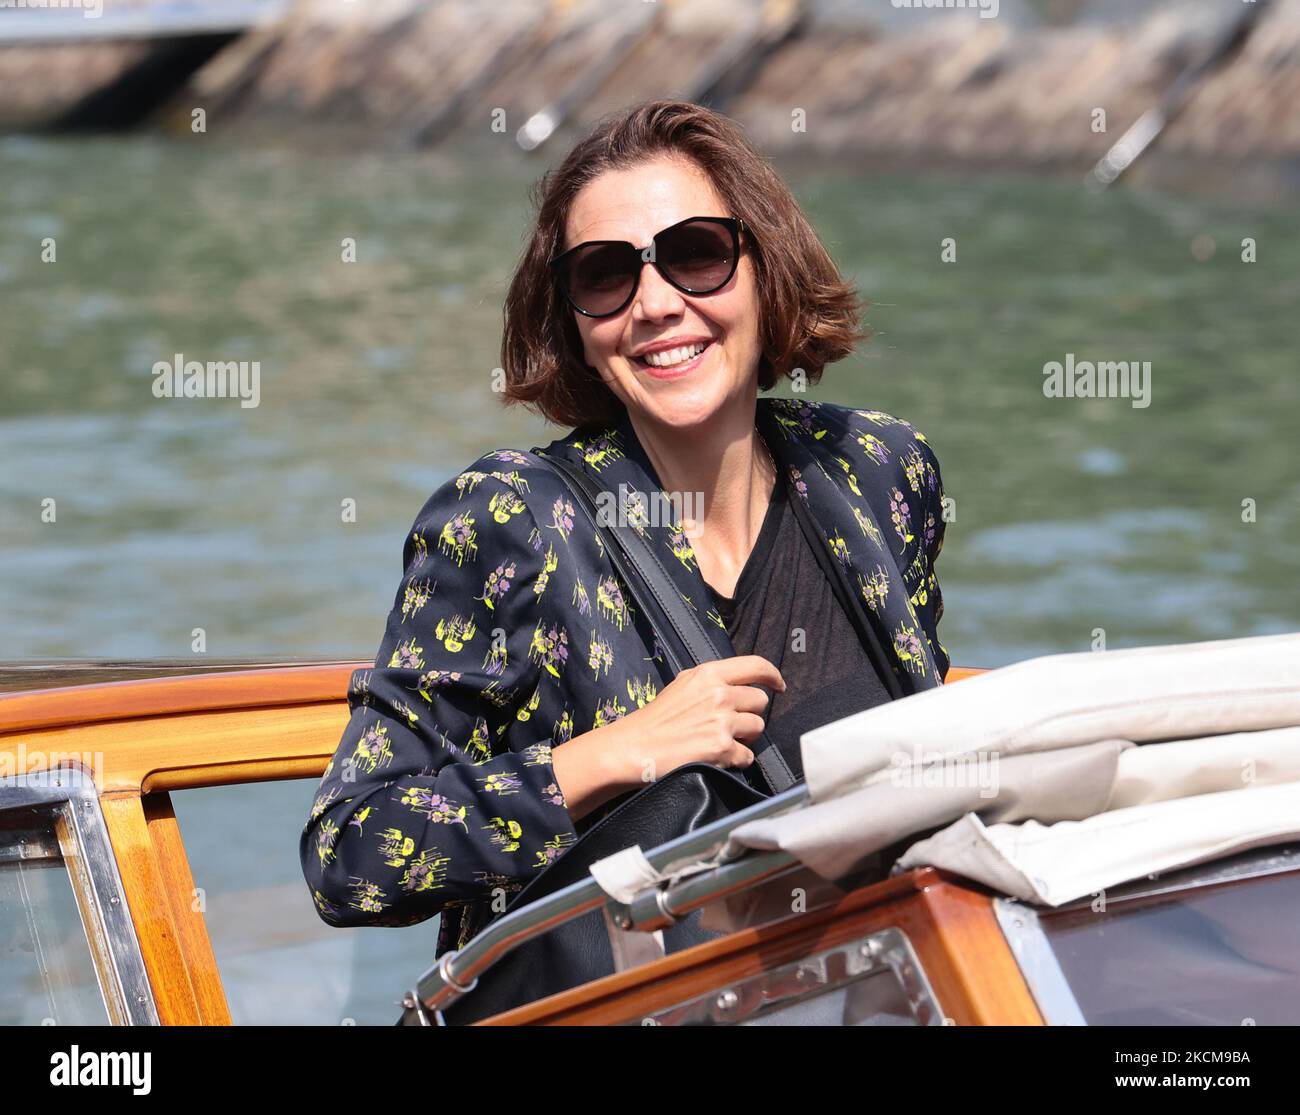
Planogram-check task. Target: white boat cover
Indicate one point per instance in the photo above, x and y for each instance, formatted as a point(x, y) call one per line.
point(1053, 778)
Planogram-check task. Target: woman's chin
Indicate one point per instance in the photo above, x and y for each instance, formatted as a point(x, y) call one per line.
point(687, 411)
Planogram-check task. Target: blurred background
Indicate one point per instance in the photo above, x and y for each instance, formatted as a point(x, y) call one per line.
point(1119, 180)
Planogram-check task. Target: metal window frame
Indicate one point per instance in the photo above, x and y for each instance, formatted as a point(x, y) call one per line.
point(72, 798)
point(456, 972)
point(1036, 957)
point(768, 992)
point(1037, 962)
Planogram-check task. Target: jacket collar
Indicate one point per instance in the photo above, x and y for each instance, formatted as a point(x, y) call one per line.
point(816, 469)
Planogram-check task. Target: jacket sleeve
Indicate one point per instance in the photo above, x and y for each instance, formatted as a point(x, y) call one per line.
point(932, 528)
point(441, 789)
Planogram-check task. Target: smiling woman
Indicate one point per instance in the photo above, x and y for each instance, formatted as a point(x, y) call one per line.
point(520, 692)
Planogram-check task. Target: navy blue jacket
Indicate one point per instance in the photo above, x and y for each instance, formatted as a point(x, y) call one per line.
point(511, 634)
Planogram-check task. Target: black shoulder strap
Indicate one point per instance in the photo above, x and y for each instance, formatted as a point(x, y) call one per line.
point(681, 634)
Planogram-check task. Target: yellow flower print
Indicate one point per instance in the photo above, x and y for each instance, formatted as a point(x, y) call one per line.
point(549, 564)
point(839, 548)
point(479, 744)
point(497, 584)
point(611, 603)
point(526, 710)
point(408, 655)
point(550, 648)
point(682, 549)
point(373, 749)
point(503, 784)
point(551, 849)
point(641, 693)
point(467, 481)
point(875, 450)
point(580, 599)
point(454, 632)
point(419, 550)
point(599, 656)
point(908, 648)
point(395, 846)
point(328, 910)
point(563, 728)
point(601, 451)
point(504, 506)
point(504, 834)
point(496, 659)
point(457, 538)
point(869, 528)
point(365, 895)
point(324, 801)
point(406, 712)
point(610, 710)
point(327, 834)
point(537, 754)
point(513, 479)
point(874, 588)
point(562, 516)
point(426, 872)
point(415, 597)
point(435, 679)
point(848, 471)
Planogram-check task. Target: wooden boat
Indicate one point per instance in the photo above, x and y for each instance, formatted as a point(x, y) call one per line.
point(921, 947)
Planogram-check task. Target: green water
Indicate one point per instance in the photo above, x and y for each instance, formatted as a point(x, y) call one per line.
point(172, 514)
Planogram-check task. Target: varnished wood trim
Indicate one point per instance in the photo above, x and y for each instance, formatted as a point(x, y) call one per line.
point(129, 700)
point(147, 894)
point(937, 922)
point(197, 749)
point(683, 975)
point(190, 924)
point(234, 774)
point(982, 980)
point(71, 705)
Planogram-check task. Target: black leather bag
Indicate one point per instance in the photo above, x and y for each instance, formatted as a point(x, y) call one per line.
point(682, 801)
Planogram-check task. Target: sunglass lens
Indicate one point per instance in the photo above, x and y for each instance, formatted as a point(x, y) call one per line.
point(599, 278)
point(699, 256)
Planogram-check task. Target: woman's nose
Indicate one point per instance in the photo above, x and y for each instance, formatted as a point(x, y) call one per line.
point(656, 298)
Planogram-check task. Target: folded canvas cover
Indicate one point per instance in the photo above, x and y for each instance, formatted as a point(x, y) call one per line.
point(1056, 777)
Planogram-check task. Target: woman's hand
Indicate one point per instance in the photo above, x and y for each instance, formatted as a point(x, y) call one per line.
point(706, 714)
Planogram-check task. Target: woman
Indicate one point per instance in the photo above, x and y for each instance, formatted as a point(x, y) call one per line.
point(517, 692)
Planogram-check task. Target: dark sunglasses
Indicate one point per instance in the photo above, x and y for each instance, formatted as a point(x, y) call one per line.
point(697, 255)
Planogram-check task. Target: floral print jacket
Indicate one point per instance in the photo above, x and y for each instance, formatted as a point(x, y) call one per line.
point(511, 633)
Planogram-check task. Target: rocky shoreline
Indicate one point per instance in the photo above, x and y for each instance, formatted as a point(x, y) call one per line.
point(963, 90)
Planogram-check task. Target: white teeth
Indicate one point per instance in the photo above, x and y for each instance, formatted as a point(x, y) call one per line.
point(668, 357)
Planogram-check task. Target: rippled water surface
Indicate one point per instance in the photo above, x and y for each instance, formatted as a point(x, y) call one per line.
point(1071, 514)
point(375, 386)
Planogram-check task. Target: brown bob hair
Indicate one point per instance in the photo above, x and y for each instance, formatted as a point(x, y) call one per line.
point(810, 314)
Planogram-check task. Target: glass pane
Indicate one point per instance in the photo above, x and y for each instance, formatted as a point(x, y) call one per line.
point(47, 973)
point(1224, 955)
point(279, 963)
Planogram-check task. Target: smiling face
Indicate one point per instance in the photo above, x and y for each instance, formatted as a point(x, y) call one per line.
point(634, 205)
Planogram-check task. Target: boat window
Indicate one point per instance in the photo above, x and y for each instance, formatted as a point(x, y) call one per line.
point(279, 962)
point(47, 969)
point(1222, 955)
point(876, 980)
